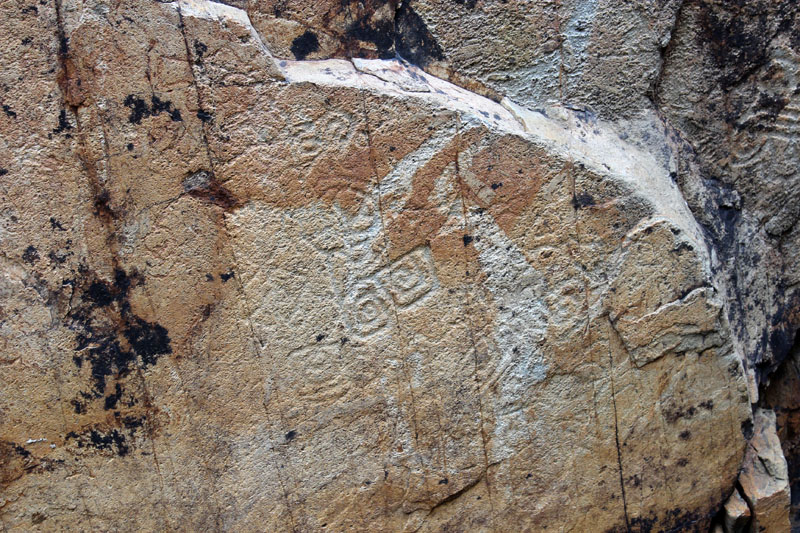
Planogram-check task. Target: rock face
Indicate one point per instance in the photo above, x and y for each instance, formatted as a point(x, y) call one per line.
point(764, 478)
point(259, 273)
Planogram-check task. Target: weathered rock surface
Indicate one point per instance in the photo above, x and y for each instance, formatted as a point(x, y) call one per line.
point(736, 514)
point(783, 395)
point(764, 478)
point(243, 290)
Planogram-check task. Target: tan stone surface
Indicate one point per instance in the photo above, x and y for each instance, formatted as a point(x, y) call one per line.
point(737, 514)
point(764, 478)
point(246, 294)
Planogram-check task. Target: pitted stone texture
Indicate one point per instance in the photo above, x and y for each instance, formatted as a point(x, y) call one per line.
point(299, 295)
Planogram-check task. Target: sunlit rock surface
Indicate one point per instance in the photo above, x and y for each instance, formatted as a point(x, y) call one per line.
point(267, 268)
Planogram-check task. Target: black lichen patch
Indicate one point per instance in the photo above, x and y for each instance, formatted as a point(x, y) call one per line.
point(110, 337)
point(582, 200)
point(30, 255)
point(3, 171)
point(141, 110)
point(114, 398)
point(200, 49)
point(205, 116)
point(148, 339)
point(381, 33)
point(8, 111)
point(63, 123)
point(413, 41)
point(320, 337)
point(496, 185)
point(78, 406)
point(112, 440)
point(226, 276)
point(672, 413)
point(305, 44)
point(467, 239)
point(56, 225)
point(685, 435)
point(99, 292)
point(290, 436)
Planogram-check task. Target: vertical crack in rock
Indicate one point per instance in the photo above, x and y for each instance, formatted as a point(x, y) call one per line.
point(223, 221)
point(385, 252)
point(68, 83)
point(616, 437)
point(468, 315)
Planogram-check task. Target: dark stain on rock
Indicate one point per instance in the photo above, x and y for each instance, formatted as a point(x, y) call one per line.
point(205, 116)
point(112, 440)
point(225, 276)
point(685, 435)
point(56, 225)
point(141, 110)
point(304, 45)
point(63, 123)
point(30, 255)
point(672, 413)
point(148, 339)
point(110, 337)
point(102, 206)
point(7, 110)
point(291, 435)
point(737, 35)
point(78, 406)
point(204, 186)
point(380, 33)
point(200, 49)
point(747, 429)
point(99, 293)
point(496, 185)
point(467, 239)
point(112, 399)
point(413, 41)
point(320, 337)
point(582, 200)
